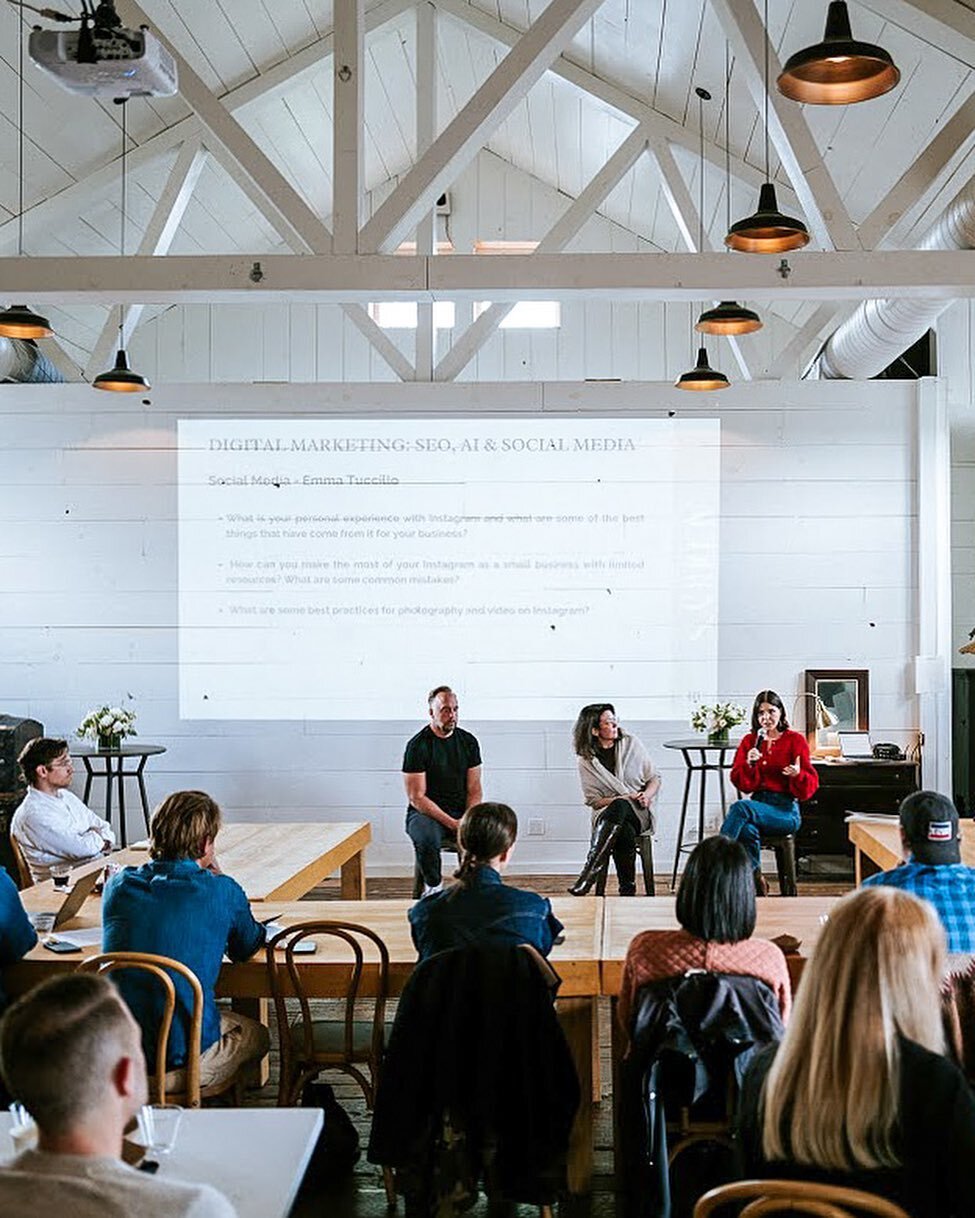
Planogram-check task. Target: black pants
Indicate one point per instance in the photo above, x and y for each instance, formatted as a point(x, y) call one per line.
point(620, 812)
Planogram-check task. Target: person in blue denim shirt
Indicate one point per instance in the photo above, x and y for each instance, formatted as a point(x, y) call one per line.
point(481, 908)
point(180, 904)
point(17, 936)
point(931, 835)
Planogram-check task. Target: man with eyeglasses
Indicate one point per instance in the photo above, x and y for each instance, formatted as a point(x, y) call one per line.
point(52, 825)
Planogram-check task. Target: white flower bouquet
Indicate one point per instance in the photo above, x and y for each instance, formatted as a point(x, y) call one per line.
point(108, 725)
point(717, 719)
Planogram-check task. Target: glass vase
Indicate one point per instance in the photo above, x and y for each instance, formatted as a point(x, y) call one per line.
point(718, 737)
point(107, 742)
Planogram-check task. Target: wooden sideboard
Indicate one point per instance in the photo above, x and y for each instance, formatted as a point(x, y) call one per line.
point(850, 786)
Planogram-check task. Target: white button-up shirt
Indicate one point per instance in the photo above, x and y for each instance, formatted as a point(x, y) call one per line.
point(58, 828)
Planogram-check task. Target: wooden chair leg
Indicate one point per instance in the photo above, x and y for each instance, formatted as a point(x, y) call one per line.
point(645, 846)
point(389, 1184)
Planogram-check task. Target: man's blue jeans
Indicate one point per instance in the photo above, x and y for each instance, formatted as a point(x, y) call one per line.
point(748, 819)
point(428, 836)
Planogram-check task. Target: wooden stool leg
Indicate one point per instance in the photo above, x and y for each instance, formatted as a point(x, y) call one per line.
point(785, 865)
point(645, 845)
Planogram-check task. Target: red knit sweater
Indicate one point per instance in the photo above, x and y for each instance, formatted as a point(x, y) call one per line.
point(767, 775)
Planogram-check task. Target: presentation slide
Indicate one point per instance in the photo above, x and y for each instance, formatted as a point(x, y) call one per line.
point(339, 568)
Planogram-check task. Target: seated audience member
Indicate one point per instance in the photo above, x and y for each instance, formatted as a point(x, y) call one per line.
point(716, 911)
point(931, 835)
point(71, 1054)
point(52, 825)
point(859, 1093)
point(480, 909)
point(180, 904)
point(17, 936)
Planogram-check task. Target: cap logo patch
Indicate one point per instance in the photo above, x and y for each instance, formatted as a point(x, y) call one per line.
point(940, 831)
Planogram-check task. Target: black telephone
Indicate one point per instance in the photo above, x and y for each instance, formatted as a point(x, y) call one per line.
point(887, 752)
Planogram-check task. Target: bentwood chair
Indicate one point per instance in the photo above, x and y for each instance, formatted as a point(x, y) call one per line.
point(176, 1086)
point(24, 877)
point(758, 1198)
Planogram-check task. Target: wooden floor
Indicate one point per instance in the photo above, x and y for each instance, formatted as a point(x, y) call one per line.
point(362, 1196)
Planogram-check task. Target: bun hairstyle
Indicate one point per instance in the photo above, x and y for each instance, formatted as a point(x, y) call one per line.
point(484, 832)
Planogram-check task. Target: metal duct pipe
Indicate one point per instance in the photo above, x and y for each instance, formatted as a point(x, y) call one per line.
point(23, 363)
point(881, 330)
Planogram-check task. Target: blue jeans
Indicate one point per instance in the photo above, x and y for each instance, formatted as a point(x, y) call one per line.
point(748, 819)
point(428, 837)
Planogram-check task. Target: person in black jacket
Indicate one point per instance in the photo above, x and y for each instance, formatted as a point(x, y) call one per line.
point(860, 1093)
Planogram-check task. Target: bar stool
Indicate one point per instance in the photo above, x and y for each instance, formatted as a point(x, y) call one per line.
point(445, 848)
point(784, 845)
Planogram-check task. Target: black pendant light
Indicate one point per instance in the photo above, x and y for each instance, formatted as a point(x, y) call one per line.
point(728, 317)
point(702, 376)
point(17, 321)
point(121, 378)
point(767, 231)
point(839, 70)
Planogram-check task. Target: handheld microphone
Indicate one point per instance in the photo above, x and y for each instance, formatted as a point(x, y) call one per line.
point(760, 738)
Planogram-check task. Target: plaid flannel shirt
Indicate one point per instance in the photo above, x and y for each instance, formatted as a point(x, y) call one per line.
point(950, 887)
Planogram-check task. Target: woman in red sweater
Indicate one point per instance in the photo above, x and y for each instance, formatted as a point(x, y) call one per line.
point(773, 770)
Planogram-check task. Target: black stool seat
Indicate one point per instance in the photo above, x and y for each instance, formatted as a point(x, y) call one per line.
point(784, 845)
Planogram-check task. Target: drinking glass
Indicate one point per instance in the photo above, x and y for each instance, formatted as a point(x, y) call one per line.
point(61, 875)
point(23, 1131)
point(158, 1127)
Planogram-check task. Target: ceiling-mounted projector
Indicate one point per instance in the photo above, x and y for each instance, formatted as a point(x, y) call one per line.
point(106, 61)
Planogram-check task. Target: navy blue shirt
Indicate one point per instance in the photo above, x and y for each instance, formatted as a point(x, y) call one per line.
point(173, 907)
point(17, 936)
point(483, 910)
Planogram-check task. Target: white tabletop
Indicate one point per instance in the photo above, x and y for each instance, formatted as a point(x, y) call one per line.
point(255, 1156)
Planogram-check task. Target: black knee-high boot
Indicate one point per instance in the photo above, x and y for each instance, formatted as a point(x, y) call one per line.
point(604, 834)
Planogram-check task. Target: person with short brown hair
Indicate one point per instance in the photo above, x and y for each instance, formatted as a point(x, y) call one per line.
point(71, 1055)
point(52, 825)
point(180, 904)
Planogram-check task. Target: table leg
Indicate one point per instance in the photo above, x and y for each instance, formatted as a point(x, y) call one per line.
point(108, 793)
point(575, 1016)
point(857, 866)
point(89, 775)
point(683, 821)
point(121, 801)
point(354, 878)
point(597, 1082)
point(142, 792)
point(702, 798)
point(724, 804)
point(259, 1009)
point(616, 1056)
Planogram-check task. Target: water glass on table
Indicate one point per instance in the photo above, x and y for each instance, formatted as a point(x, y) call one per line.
point(23, 1131)
point(61, 875)
point(158, 1127)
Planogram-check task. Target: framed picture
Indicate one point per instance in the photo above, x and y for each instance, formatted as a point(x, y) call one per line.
point(845, 695)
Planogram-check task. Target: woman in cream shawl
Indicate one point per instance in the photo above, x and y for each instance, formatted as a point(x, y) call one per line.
point(620, 785)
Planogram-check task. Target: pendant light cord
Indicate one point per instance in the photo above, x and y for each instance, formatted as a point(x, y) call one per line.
point(20, 131)
point(768, 177)
point(121, 308)
point(727, 136)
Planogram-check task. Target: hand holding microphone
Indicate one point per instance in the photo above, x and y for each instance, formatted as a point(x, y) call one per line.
point(755, 752)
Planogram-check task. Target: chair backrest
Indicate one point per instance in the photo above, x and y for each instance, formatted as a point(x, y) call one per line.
point(286, 980)
point(24, 877)
point(159, 967)
point(762, 1197)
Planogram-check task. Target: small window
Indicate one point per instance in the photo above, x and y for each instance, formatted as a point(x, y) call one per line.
point(528, 315)
point(401, 314)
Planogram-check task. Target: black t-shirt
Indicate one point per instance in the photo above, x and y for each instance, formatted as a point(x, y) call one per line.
point(445, 761)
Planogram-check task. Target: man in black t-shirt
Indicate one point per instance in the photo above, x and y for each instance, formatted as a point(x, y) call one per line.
point(442, 775)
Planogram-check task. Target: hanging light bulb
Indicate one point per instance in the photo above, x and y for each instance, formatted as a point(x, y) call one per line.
point(728, 317)
point(839, 70)
point(702, 376)
point(121, 378)
point(17, 321)
point(767, 231)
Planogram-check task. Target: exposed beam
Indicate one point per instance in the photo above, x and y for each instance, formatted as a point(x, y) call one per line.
point(426, 133)
point(223, 128)
point(801, 159)
point(469, 130)
point(347, 110)
point(824, 320)
point(70, 201)
point(661, 125)
point(379, 340)
point(806, 275)
point(922, 179)
point(157, 239)
point(557, 238)
point(945, 24)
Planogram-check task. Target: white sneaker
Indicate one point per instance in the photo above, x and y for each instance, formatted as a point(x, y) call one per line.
point(429, 890)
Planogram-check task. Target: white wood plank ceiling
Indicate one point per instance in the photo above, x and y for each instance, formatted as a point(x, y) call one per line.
point(269, 63)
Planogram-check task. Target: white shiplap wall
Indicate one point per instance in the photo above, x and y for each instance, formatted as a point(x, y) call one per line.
point(817, 569)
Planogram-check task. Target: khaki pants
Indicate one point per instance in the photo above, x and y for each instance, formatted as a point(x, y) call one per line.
point(242, 1041)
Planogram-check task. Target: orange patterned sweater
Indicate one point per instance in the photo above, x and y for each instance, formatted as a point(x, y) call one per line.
point(656, 954)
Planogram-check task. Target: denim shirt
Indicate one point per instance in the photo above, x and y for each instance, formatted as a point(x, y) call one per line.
point(482, 910)
point(173, 907)
point(17, 936)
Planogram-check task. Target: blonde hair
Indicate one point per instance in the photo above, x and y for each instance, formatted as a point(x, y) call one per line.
point(182, 824)
point(832, 1093)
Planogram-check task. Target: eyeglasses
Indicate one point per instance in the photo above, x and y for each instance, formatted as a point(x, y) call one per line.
point(63, 763)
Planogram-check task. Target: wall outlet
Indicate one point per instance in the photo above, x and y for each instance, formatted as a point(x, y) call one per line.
point(536, 827)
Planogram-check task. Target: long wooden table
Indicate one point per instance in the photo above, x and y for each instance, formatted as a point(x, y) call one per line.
point(276, 861)
point(880, 843)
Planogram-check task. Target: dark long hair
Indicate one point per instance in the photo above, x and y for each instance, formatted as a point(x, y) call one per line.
point(484, 832)
point(773, 699)
point(583, 740)
point(716, 897)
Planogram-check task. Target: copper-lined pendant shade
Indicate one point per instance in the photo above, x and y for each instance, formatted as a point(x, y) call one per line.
point(121, 379)
point(20, 322)
point(728, 317)
point(702, 376)
point(839, 70)
point(767, 231)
